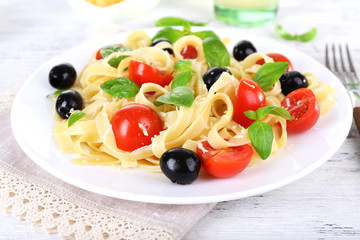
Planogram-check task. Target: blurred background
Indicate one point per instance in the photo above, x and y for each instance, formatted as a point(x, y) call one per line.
point(38, 30)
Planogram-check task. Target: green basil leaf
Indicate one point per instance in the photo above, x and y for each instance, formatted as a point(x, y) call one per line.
point(261, 136)
point(308, 36)
point(263, 111)
point(184, 65)
point(169, 33)
point(120, 87)
point(281, 112)
point(216, 53)
point(182, 79)
point(176, 21)
point(205, 34)
point(106, 51)
point(114, 62)
point(180, 96)
point(269, 74)
point(305, 37)
point(353, 85)
point(55, 93)
point(282, 32)
point(251, 114)
point(278, 111)
point(186, 28)
point(74, 117)
point(357, 96)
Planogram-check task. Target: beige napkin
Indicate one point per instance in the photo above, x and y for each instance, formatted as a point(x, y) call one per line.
point(30, 193)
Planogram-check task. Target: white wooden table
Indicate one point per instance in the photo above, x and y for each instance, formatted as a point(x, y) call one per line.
point(323, 205)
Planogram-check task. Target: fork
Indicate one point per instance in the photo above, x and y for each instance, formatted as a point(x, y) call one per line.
point(347, 76)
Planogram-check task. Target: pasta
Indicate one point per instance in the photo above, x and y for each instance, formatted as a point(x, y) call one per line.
point(210, 117)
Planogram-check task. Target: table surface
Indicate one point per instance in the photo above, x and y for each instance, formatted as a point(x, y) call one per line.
point(322, 205)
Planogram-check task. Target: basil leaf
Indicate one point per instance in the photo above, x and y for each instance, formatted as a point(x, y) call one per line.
point(184, 65)
point(308, 36)
point(281, 112)
point(169, 33)
point(205, 34)
point(186, 28)
point(282, 32)
point(261, 136)
point(353, 85)
point(261, 133)
point(120, 87)
point(176, 21)
point(55, 93)
point(74, 117)
point(357, 96)
point(182, 79)
point(216, 53)
point(251, 114)
point(269, 74)
point(278, 111)
point(180, 96)
point(263, 111)
point(106, 51)
point(305, 37)
point(114, 62)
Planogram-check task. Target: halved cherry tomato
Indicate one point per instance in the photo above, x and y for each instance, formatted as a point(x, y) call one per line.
point(277, 57)
point(98, 53)
point(249, 96)
point(303, 108)
point(189, 52)
point(224, 163)
point(134, 125)
point(142, 73)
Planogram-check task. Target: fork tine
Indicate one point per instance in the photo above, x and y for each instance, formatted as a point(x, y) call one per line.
point(352, 69)
point(334, 59)
point(342, 59)
point(327, 63)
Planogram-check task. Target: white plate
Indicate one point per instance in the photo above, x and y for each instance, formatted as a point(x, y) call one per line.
point(32, 122)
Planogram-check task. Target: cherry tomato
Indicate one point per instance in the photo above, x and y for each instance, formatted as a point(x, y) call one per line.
point(134, 125)
point(224, 163)
point(277, 57)
point(98, 53)
point(142, 73)
point(189, 52)
point(249, 96)
point(303, 108)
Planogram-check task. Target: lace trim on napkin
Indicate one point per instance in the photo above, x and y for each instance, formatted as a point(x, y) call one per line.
point(39, 205)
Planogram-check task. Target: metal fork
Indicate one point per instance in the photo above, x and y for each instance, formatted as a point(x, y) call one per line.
point(347, 76)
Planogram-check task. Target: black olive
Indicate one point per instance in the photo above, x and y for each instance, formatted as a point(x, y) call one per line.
point(243, 49)
point(291, 81)
point(156, 41)
point(163, 44)
point(180, 165)
point(68, 101)
point(213, 74)
point(169, 50)
point(62, 76)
